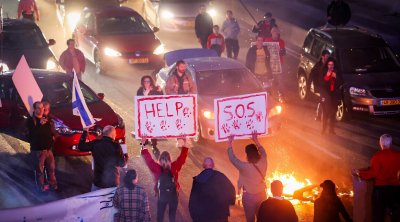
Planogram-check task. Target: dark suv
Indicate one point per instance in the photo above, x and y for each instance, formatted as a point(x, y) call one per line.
point(369, 71)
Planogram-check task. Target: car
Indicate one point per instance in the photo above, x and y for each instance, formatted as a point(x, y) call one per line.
point(57, 90)
point(117, 37)
point(211, 72)
point(368, 69)
point(23, 37)
point(175, 14)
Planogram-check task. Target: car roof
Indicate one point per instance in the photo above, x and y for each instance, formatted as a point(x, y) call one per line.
point(113, 11)
point(213, 63)
point(9, 23)
point(351, 37)
point(42, 74)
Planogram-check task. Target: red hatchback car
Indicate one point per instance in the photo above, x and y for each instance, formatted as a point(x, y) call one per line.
point(57, 89)
point(117, 37)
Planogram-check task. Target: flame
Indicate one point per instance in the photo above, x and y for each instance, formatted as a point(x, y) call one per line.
point(289, 181)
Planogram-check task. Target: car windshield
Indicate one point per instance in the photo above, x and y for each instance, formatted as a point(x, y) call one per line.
point(22, 39)
point(227, 82)
point(123, 25)
point(59, 93)
point(366, 60)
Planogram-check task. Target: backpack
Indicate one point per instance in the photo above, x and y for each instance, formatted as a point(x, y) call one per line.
point(166, 185)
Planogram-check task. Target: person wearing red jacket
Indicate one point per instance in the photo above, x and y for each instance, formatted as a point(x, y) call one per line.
point(72, 59)
point(276, 37)
point(216, 41)
point(165, 175)
point(384, 169)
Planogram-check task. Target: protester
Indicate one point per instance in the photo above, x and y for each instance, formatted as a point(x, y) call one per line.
point(47, 114)
point(263, 27)
point(328, 206)
point(338, 13)
point(28, 9)
point(131, 201)
point(231, 29)
point(148, 88)
point(316, 75)
point(107, 157)
point(258, 59)
point(165, 175)
point(41, 140)
point(251, 175)
point(384, 170)
point(276, 37)
point(212, 194)
point(203, 26)
point(72, 59)
point(216, 41)
point(329, 99)
point(180, 82)
point(276, 208)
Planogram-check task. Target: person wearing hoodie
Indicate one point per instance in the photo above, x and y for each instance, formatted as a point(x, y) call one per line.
point(231, 29)
point(212, 194)
point(216, 41)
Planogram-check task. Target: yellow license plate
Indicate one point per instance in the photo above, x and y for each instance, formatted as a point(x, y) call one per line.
point(139, 60)
point(390, 102)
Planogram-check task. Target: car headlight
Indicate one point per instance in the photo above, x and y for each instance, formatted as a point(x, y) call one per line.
point(61, 128)
point(51, 64)
point(159, 50)
point(354, 91)
point(111, 52)
point(276, 110)
point(212, 12)
point(167, 14)
point(208, 114)
point(73, 19)
point(3, 67)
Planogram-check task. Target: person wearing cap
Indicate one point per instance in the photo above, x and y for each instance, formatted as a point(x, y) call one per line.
point(276, 208)
point(107, 157)
point(328, 206)
point(263, 27)
point(384, 170)
point(131, 200)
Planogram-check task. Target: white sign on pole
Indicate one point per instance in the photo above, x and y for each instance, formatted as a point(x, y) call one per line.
point(240, 115)
point(274, 57)
point(26, 85)
point(168, 116)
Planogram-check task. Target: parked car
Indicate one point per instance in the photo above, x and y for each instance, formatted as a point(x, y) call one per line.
point(57, 89)
point(23, 37)
point(116, 37)
point(217, 77)
point(369, 71)
point(175, 14)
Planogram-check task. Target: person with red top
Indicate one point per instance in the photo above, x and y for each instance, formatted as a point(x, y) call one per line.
point(165, 174)
point(276, 37)
point(72, 59)
point(329, 89)
point(28, 9)
point(216, 41)
point(384, 169)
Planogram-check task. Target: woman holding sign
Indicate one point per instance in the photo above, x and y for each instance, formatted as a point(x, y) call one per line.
point(148, 88)
point(251, 175)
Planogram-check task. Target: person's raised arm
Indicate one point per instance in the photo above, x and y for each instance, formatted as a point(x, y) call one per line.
point(83, 145)
point(232, 157)
point(151, 163)
point(254, 137)
point(180, 161)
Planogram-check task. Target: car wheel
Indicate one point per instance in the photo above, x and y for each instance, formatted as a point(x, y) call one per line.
point(342, 113)
point(98, 63)
point(303, 87)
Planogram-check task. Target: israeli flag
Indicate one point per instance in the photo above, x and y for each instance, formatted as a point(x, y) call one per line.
point(79, 107)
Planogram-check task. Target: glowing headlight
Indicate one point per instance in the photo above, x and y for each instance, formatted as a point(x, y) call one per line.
point(51, 64)
point(73, 19)
point(167, 15)
point(208, 115)
point(159, 50)
point(111, 52)
point(212, 12)
point(276, 110)
point(3, 67)
point(354, 91)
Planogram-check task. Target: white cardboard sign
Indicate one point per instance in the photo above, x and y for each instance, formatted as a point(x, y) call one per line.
point(26, 85)
point(168, 116)
point(240, 115)
point(275, 59)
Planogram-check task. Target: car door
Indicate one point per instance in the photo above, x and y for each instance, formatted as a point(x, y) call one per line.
point(5, 102)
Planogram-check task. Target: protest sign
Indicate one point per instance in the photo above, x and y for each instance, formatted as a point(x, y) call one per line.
point(274, 57)
point(169, 116)
point(240, 115)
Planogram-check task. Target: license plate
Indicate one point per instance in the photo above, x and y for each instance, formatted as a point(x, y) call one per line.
point(139, 60)
point(390, 102)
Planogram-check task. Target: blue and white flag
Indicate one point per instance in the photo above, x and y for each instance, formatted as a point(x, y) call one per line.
point(79, 107)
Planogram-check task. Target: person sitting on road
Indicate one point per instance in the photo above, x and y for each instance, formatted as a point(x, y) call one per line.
point(216, 41)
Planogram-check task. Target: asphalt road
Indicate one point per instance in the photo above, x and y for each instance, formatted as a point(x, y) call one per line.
point(298, 148)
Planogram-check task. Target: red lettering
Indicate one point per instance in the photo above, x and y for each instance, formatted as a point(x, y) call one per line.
point(178, 106)
point(168, 114)
point(228, 112)
point(149, 111)
point(253, 111)
point(158, 109)
point(237, 108)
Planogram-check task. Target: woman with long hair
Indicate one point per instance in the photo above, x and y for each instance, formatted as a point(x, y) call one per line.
point(251, 176)
point(329, 85)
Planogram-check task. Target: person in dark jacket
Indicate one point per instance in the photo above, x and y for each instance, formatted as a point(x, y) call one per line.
point(258, 59)
point(148, 88)
point(203, 26)
point(212, 194)
point(315, 76)
point(338, 13)
point(263, 27)
point(107, 156)
point(329, 85)
point(276, 208)
point(328, 206)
